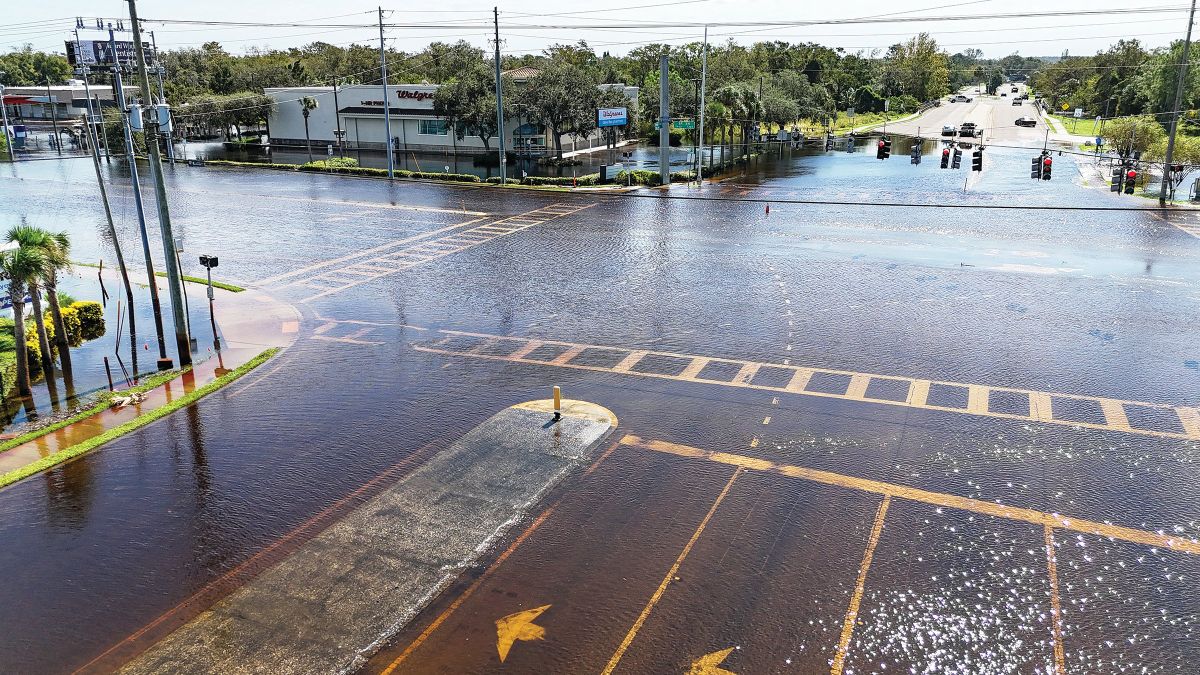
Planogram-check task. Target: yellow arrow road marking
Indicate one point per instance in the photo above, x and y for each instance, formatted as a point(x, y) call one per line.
point(518, 626)
point(710, 664)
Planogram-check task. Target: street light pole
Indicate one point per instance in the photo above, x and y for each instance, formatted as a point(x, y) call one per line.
point(4, 117)
point(703, 83)
point(174, 282)
point(53, 115)
point(1183, 68)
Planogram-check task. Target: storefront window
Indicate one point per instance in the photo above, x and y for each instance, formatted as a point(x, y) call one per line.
point(431, 127)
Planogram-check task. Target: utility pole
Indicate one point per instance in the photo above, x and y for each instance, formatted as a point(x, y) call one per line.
point(112, 229)
point(4, 119)
point(387, 109)
point(50, 101)
point(1183, 68)
point(703, 83)
point(159, 68)
point(664, 122)
point(499, 98)
point(338, 132)
point(174, 281)
point(136, 186)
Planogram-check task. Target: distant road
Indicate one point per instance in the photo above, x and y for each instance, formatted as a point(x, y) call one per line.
point(996, 115)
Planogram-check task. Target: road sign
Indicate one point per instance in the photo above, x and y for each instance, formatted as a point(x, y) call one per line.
point(612, 117)
point(850, 112)
point(1066, 107)
point(1099, 140)
point(1078, 113)
point(683, 124)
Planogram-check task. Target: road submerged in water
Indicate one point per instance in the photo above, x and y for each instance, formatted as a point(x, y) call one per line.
point(852, 437)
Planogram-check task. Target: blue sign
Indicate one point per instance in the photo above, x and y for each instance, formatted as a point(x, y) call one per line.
point(612, 117)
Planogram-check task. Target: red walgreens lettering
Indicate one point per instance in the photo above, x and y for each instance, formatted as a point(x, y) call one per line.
point(415, 95)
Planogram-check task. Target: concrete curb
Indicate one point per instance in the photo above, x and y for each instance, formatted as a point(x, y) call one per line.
point(341, 595)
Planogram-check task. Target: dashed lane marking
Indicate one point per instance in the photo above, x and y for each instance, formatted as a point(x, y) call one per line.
point(1055, 604)
point(1169, 421)
point(1049, 520)
point(391, 258)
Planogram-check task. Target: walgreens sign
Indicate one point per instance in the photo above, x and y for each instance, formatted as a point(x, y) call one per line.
point(406, 94)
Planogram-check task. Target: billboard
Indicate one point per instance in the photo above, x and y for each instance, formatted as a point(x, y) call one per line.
point(612, 117)
point(100, 53)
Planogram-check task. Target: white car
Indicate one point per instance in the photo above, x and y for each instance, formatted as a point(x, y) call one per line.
point(949, 131)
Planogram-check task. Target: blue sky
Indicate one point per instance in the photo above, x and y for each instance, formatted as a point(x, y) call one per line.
point(47, 23)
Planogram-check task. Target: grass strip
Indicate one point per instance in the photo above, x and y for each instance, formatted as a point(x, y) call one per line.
point(149, 382)
point(199, 280)
point(135, 423)
point(194, 280)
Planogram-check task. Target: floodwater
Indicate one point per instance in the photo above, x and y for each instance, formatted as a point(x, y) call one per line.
point(1093, 302)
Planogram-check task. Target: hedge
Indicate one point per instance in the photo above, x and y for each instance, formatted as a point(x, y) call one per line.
point(91, 318)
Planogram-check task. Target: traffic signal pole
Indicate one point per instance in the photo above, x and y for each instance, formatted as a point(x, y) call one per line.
point(170, 259)
point(1183, 68)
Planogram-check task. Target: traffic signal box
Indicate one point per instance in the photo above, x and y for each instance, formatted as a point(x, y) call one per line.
point(1047, 164)
point(1118, 180)
point(914, 155)
point(945, 158)
point(957, 161)
point(885, 148)
point(977, 160)
point(1035, 168)
point(1130, 181)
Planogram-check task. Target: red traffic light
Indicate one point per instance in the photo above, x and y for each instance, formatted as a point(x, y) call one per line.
point(1047, 161)
point(1131, 174)
point(945, 152)
point(881, 143)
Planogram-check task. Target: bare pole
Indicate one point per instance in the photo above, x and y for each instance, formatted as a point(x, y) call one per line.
point(174, 280)
point(703, 84)
point(50, 101)
point(664, 122)
point(1183, 68)
point(387, 110)
point(499, 98)
point(162, 98)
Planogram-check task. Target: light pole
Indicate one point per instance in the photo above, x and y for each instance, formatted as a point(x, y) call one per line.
point(1183, 68)
point(209, 262)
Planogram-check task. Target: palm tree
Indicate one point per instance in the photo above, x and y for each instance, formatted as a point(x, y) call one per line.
point(56, 248)
point(35, 238)
point(307, 105)
point(19, 266)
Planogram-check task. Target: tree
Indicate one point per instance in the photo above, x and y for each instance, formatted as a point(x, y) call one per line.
point(307, 105)
point(18, 266)
point(55, 250)
point(469, 103)
point(26, 67)
point(1127, 135)
point(563, 99)
point(917, 68)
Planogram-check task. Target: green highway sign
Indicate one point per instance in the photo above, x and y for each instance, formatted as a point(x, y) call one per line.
point(683, 124)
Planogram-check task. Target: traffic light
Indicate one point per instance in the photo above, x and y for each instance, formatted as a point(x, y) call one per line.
point(914, 155)
point(1118, 178)
point(957, 161)
point(885, 148)
point(1046, 165)
point(977, 160)
point(945, 157)
point(1035, 168)
point(1130, 181)
point(828, 142)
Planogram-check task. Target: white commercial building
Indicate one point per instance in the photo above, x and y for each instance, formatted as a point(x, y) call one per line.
point(69, 101)
point(358, 110)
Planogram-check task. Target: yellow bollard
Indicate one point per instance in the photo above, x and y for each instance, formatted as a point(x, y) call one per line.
point(557, 402)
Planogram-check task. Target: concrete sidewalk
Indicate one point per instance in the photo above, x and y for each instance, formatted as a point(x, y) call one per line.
point(333, 602)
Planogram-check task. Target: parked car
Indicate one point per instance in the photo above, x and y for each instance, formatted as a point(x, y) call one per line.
point(949, 131)
point(1016, 101)
point(1026, 122)
point(967, 129)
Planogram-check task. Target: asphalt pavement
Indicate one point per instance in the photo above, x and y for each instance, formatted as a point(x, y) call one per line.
point(955, 433)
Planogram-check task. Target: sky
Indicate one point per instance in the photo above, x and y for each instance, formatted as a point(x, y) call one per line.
point(47, 23)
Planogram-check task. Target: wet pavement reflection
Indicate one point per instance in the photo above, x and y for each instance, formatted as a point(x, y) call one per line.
point(755, 556)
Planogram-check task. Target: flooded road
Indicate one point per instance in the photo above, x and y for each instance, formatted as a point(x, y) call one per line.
point(852, 437)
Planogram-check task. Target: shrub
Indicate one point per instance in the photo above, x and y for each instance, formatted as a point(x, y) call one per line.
point(91, 318)
point(331, 163)
point(34, 355)
point(638, 177)
point(586, 179)
point(74, 326)
point(495, 180)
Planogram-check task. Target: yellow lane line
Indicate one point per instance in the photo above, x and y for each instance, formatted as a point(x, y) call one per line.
point(977, 394)
point(629, 361)
point(1040, 407)
point(926, 497)
point(1114, 414)
point(693, 369)
point(1055, 605)
point(839, 659)
point(662, 587)
point(857, 390)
